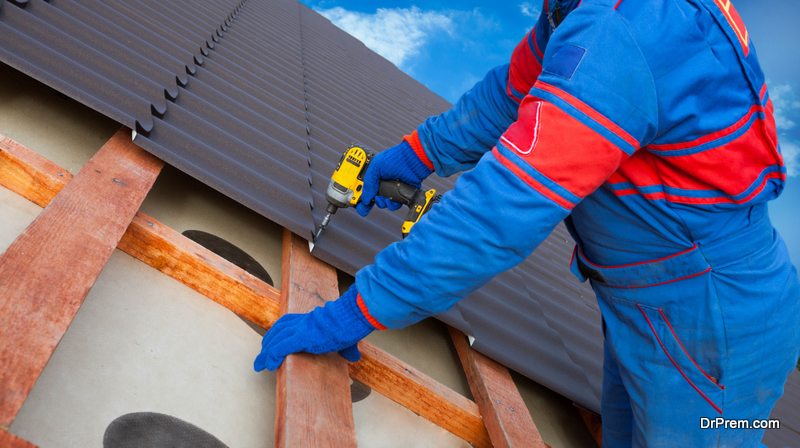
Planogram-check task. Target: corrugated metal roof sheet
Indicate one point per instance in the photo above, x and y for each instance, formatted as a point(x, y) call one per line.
point(258, 99)
point(787, 410)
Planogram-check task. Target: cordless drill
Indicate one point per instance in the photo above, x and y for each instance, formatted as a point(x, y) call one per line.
point(347, 183)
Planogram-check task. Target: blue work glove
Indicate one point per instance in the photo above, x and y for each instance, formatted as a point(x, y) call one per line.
point(396, 163)
point(339, 325)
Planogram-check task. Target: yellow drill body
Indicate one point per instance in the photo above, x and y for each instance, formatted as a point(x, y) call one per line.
point(347, 184)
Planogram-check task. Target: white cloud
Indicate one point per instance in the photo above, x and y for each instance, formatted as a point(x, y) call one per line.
point(396, 34)
point(785, 104)
point(529, 10)
point(791, 157)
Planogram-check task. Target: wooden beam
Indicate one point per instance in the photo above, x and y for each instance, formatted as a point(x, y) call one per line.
point(39, 180)
point(421, 394)
point(8, 440)
point(506, 417)
point(29, 174)
point(313, 394)
point(175, 255)
point(594, 423)
point(47, 272)
point(202, 270)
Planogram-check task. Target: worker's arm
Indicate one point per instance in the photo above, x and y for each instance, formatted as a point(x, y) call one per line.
point(592, 107)
point(590, 110)
point(455, 140)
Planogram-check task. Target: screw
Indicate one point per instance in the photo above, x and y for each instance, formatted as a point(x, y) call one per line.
point(149, 223)
point(116, 180)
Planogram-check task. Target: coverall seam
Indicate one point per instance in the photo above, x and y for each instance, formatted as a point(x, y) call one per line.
point(727, 372)
point(636, 107)
point(624, 22)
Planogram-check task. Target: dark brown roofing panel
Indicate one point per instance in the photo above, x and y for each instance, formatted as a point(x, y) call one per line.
point(258, 99)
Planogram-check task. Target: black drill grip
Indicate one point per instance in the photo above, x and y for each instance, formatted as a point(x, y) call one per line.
point(401, 192)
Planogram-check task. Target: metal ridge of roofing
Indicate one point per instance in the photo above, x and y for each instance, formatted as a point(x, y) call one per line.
point(258, 99)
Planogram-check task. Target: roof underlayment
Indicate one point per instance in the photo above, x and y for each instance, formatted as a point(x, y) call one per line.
point(258, 99)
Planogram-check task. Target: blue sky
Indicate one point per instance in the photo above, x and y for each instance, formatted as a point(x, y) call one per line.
point(449, 46)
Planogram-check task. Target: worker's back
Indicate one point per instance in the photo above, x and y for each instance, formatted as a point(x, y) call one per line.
point(713, 161)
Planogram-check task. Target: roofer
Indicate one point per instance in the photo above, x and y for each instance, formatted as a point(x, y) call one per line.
point(647, 127)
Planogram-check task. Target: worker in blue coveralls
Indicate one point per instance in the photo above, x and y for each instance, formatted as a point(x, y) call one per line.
point(646, 126)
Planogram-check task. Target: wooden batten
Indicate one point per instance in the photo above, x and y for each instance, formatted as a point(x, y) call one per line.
point(29, 174)
point(155, 244)
point(506, 417)
point(313, 406)
point(420, 393)
point(47, 271)
point(163, 248)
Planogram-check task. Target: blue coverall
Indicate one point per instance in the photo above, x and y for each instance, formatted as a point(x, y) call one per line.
point(646, 125)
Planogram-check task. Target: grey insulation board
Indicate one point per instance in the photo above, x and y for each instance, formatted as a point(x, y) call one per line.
point(258, 99)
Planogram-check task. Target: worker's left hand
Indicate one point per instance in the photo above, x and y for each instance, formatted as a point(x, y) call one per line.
point(339, 325)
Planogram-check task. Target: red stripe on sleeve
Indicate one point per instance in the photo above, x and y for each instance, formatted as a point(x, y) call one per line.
point(363, 307)
point(536, 44)
point(525, 68)
point(416, 145)
point(532, 182)
point(593, 114)
point(561, 148)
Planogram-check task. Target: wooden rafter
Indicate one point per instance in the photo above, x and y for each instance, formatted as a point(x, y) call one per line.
point(506, 417)
point(594, 424)
point(47, 271)
point(155, 244)
point(313, 406)
point(8, 440)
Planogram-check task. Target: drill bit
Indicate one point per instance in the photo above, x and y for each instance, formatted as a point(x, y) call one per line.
point(322, 226)
point(331, 210)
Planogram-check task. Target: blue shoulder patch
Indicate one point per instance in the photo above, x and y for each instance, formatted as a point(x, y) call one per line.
point(565, 62)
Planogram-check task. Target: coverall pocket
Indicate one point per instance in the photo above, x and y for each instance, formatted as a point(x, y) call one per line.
point(668, 360)
point(703, 379)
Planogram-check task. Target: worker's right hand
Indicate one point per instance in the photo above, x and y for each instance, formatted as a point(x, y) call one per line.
point(396, 163)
